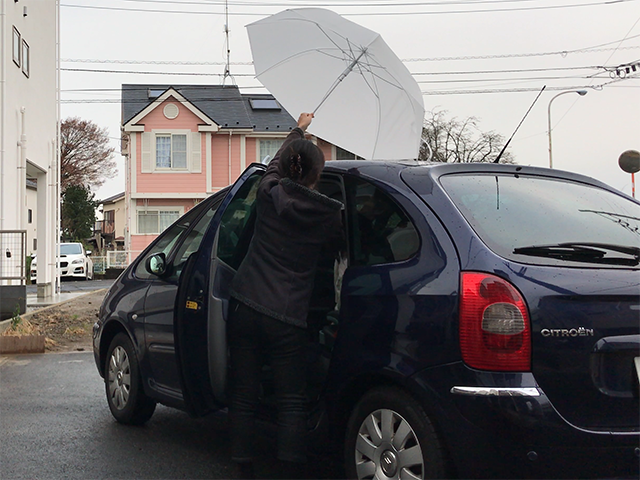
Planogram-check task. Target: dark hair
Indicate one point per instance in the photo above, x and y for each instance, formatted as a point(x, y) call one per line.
point(302, 161)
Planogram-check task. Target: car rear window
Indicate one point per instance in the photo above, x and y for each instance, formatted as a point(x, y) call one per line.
point(572, 222)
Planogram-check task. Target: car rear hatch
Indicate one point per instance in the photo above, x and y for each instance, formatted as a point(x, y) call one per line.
point(570, 245)
point(586, 343)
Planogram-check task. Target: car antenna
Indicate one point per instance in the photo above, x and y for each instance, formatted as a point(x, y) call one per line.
point(525, 116)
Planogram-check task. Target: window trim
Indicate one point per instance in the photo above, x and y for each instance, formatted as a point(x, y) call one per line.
point(26, 55)
point(17, 42)
point(158, 209)
point(155, 133)
point(172, 168)
point(259, 140)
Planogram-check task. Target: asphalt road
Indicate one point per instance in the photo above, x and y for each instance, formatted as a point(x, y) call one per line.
point(55, 423)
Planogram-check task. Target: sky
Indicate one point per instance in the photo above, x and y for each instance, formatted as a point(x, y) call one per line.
point(483, 58)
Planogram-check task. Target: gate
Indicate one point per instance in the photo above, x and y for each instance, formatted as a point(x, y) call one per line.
point(13, 273)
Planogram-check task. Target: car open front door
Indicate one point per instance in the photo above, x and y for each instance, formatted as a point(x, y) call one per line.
point(203, 297)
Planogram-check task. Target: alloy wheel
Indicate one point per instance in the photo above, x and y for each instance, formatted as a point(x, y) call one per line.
point(388, 448)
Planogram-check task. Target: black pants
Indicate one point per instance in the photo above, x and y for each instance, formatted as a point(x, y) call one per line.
point(252, 337)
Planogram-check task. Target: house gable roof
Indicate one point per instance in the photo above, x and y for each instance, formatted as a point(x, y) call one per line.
point(167, 94)
point(112, 199)
point(222, 104)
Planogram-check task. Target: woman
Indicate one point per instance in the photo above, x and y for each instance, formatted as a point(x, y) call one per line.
point(270, 298)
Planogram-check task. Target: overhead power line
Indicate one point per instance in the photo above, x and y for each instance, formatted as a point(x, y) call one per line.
point(443, 12)
point(149, 62)
point(427, 93)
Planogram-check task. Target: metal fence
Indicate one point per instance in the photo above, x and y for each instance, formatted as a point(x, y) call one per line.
point(113, 259)
point(13, 259)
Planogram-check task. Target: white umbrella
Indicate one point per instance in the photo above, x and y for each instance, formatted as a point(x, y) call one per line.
point(365, 99)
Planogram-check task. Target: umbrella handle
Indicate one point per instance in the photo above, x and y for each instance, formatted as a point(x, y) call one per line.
point(342, 76)
point(426, 144)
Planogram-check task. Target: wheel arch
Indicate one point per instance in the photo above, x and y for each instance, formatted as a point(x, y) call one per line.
point(112, 328)
point(352, 393)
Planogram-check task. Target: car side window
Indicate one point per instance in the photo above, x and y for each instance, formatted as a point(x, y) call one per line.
point(168, 240)
point(236, 225)
point(380, 231)
point(193, 239)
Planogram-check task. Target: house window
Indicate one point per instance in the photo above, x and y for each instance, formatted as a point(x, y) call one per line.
point(30, 216)
point(16, 46)
point(269, 147)
point(156, 221)
point(35, 244)
point(108, 226)
point(342, 154)
point(25, 58)
point(171, 151)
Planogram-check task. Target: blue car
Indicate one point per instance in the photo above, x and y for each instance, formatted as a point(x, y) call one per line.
point(484, 321)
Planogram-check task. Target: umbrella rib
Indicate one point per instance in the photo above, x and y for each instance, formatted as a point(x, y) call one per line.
point(298, 54)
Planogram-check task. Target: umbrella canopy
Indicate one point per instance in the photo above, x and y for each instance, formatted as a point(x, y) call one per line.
point(364, 98)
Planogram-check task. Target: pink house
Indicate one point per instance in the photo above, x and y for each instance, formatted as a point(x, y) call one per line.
point(185, 142)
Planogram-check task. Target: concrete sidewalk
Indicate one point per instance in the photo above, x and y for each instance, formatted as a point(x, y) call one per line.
point(33, 302)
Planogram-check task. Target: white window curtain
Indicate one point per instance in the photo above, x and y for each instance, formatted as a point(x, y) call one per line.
point(156, 221)
point(147, 221)
point(179, 151)
point(269, 147)
point(163, 151)
point(171, 151)
point(167, 217)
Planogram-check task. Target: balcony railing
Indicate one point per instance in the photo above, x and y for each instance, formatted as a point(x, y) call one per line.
point(105, 227)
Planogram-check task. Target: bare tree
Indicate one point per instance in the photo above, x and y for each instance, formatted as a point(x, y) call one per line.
point(456, 141)
point(85, 156)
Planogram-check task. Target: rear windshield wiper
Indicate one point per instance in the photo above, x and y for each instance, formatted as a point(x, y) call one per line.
point(584, 252)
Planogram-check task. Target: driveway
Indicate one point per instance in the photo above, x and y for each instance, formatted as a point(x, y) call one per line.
point(55, 423)
point(70, 286)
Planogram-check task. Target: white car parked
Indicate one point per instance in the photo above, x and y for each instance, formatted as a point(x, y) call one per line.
point(75, 262)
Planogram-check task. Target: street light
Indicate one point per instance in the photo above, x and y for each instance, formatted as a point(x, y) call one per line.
point(579, 92)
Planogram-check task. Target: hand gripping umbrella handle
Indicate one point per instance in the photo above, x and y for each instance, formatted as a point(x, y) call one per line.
point(342, 76)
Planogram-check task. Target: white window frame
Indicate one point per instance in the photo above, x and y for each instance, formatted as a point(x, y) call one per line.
point(140, 209)
point(25, 58)
point(171, 136)
point(259, 141)
point(193, 154)
point(17, 47)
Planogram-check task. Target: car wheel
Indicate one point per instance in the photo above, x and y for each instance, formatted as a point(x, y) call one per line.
point(123, 385)
point(389, 436)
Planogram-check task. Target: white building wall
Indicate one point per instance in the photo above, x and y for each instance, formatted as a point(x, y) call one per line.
point(29, 101)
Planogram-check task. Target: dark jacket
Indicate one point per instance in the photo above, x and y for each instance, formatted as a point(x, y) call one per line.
point(293, 222)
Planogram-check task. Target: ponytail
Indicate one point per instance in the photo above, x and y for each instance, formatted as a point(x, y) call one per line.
point(302, 162)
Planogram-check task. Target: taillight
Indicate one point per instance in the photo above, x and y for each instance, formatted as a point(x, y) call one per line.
point(495, 333)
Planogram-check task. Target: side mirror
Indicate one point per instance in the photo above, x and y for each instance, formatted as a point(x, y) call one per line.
point(88, 252)
point(156, 264)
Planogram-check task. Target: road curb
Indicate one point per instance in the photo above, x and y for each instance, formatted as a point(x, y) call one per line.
point(26, 316)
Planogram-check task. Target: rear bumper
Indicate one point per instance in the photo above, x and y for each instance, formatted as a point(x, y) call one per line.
point(503, 425)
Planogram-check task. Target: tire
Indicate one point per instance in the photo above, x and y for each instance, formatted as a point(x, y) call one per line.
point(123, 385)
point(389, 436)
